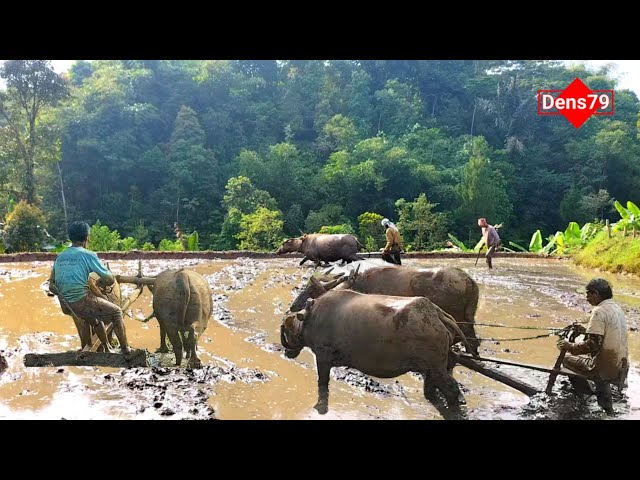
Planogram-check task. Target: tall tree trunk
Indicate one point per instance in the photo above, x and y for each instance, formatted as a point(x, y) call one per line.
point(64, 201)
point(473, 118)
point(29, 174)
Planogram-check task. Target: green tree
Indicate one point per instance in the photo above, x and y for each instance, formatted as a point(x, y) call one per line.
point(102, 239)
point(328, 214)
point(370, 227)
point(32, 85)
point(25, 229)
point(294, 220)
point(194, 169)
point(421, 227)
point(339, 133)
point(261, 230)
point(243, 196)
point(482, 190)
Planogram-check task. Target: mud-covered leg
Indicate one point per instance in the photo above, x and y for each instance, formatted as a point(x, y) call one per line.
point(192, 340)
point(430, 391)
point(185, 342)
point(176, 341)
point(449, 388)
point(101, 332)
point(84, 332)
point(603, 395)
point(324, 370)
point(163, 339)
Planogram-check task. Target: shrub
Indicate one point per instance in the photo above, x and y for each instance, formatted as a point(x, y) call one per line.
point(25, 229)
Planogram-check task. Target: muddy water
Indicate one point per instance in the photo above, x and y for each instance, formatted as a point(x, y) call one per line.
point(246, 375)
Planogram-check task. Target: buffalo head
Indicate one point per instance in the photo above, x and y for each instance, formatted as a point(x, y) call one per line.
point(289, 245)
point(291, 333)
point(315, 288)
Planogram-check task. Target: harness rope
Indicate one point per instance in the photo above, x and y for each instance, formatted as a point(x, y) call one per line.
point(554, 331)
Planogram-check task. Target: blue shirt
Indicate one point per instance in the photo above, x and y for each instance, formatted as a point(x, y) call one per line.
point(72, 268)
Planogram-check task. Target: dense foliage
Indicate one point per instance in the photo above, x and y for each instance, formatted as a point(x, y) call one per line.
point(247, 152)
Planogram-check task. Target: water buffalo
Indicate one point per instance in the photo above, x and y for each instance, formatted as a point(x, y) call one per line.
point(380, 335)
point(449, 288)
point(182, 304)
point(322, 247)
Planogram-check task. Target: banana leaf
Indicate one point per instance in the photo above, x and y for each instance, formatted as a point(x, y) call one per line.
point(624, 213)
point(514, 244)
point(631, 207)
point(192, 242)
point(458, 243)
point(535, 245)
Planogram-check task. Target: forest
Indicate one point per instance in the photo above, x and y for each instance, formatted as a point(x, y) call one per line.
point(244, 153)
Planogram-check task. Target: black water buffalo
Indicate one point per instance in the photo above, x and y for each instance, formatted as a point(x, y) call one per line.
point(380, 335)
point(322, 247)
point(452, 289)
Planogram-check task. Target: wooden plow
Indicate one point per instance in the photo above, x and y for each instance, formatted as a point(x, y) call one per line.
point(474, 363)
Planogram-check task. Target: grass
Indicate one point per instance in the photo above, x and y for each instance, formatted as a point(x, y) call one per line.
point(616, 254)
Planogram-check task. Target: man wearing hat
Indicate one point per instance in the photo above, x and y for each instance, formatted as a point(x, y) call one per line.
point(391, 251)
point(603, 356)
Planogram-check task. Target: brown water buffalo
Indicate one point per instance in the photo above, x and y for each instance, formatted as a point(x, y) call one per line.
point(182, 304)
point(380, 335)
point(322, 247)
point(449, 288)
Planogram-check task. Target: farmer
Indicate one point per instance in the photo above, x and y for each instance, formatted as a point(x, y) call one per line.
point(491, 239)
point(69, 280)
point(603, 356)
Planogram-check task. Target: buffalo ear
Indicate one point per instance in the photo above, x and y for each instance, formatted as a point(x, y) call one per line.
point(314, 280)
point(300, 316)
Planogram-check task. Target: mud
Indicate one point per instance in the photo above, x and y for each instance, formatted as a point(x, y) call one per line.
point(247, 376)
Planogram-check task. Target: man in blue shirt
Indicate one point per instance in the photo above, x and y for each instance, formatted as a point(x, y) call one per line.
point(69, 280)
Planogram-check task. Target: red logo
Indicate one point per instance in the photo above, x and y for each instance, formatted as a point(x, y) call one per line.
point(576, 102)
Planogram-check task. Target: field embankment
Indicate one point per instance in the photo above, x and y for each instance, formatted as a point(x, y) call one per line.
point(615, 254)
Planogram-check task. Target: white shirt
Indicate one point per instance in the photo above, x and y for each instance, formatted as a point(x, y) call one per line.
point(608, 320)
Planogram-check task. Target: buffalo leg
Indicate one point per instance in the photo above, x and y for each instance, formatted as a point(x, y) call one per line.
point(324, 370)
point(176, 341)
point(449, 388)
point(304, 260)
point(185, 342)
point(194, 361)
point(163, 339)
point(430, 391)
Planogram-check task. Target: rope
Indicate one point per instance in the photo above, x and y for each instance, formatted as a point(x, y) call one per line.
point(510, 326)
point(515, 339)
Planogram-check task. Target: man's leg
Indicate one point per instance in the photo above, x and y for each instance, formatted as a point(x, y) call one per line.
point(603, 394)
point(583, 366)
point(104, 312)
point(489, 254)
point(387, 258)
point(396, 257)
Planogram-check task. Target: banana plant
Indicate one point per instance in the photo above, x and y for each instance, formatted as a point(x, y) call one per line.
point(630, 217)
point(562, 242)
point(192, 242)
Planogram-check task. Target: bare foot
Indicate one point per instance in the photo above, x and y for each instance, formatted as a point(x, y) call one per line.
point(126, 350)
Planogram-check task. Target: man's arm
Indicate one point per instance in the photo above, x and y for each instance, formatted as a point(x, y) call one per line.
point(106, 277)
point(105, 281)
point(592, 345)
point(389, 236)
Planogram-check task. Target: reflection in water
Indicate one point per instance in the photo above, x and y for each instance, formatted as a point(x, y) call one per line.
point(250, 297)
